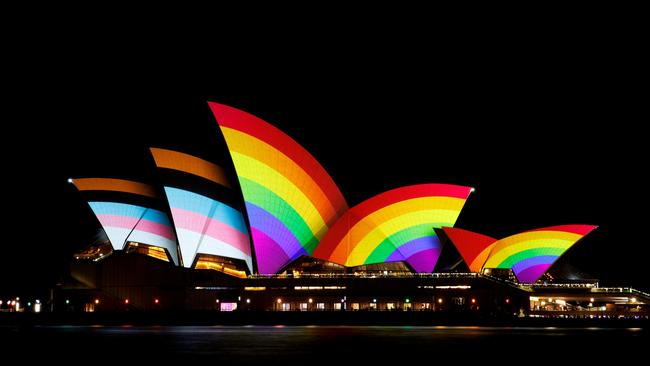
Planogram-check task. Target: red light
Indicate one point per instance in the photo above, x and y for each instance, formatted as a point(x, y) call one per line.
point(473, 301)
point(156, 301)
point(126, 301)
point(507, 301)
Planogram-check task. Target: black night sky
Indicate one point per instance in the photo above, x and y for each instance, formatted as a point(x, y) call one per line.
point(547, 131)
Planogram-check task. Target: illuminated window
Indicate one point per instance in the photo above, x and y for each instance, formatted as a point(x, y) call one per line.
point(228, 266)
point(303, 306)
point(286, 307)
point(228, 306)
point(320, 306)
point(373, 305)
point(355, 306)
point(390, 306)
point(337, 306)
point(148, 250)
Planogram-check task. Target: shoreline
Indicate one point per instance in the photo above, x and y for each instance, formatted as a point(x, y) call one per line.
point(304, 318)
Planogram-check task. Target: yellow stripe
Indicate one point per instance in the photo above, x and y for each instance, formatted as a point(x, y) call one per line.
point(368, 223)
point(259, 150)
point(256, 171)
point(116, 185)
point(189, 164)
point(529, 240)
point(366, 244)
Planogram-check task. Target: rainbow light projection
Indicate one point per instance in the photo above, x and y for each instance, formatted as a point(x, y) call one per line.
point(124, 222)
point(203, 224)
point(473, 247)
point(395, 226)
point(531, 253)
point(291, 201)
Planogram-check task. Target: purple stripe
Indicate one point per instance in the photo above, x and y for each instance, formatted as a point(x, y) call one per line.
point(424, 261)
point(533, 273)
point(270, 256)
point(529, 262)
point(263, 221)
point(417, 245)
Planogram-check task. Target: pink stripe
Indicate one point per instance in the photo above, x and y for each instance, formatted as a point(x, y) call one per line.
point(192, 221)
point(127, 222)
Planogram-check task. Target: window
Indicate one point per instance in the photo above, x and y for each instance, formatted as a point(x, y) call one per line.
point(320, 306)
point(458, 300)
point(303, 306)
point(390, 306)
point(355, 306)
point(228, 306)
point(337, 306)
point(373, 305)
point(286, 307)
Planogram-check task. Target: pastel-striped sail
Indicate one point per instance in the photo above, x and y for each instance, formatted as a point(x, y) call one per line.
point(122, 219)
point(531, 253)
point(291, 201)
point(395, 226)
point(473, 247)
point(204, 222)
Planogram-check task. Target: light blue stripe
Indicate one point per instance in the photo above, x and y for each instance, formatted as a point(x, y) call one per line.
point(124, 209)
point(205, 206)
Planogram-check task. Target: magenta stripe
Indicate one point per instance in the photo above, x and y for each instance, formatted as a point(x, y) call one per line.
point(192, 221)
point(270, 255)
point(127, 222)
point(533, 273)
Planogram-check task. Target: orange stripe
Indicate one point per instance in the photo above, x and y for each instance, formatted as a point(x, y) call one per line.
point(189, 164)
point(110, 184)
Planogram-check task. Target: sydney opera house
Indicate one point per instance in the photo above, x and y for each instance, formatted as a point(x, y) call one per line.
point(281, 237)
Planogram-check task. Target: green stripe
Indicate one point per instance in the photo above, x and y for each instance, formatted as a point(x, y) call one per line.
point(530, 253)
point(260, 196)
point(391, 243)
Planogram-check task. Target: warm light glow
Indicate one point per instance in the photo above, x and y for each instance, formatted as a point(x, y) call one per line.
point(591, 299)
point(544, 303)
point(311, 300)
point(408, 300)
point(550, 299)
point(534, 298)
point(255, 288)
point(126, 301)
point(67, 301)
point(279, 301)
point(156, 301)
point(70, 180)
point(217, 301)
point(96, 301)
point(0, 302)
point(507, 301)
point(633, 299)
point(591, 304)
point(473, 301)
point(374, 300)
point(440, 301)
point(248, 301)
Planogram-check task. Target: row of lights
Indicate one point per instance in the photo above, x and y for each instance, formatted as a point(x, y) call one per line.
point(126, 301)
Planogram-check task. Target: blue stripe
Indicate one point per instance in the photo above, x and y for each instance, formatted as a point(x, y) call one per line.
point(124, 209)
point(205, 206)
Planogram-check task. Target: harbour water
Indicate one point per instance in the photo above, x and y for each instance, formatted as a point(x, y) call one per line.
point(318, 344)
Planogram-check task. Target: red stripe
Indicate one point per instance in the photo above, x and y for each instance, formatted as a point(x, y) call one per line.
point(576, 229)
point(245, 122)
point(336, 233)
point(468, 243)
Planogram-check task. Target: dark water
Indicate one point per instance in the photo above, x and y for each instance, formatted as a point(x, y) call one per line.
point(309, 345)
